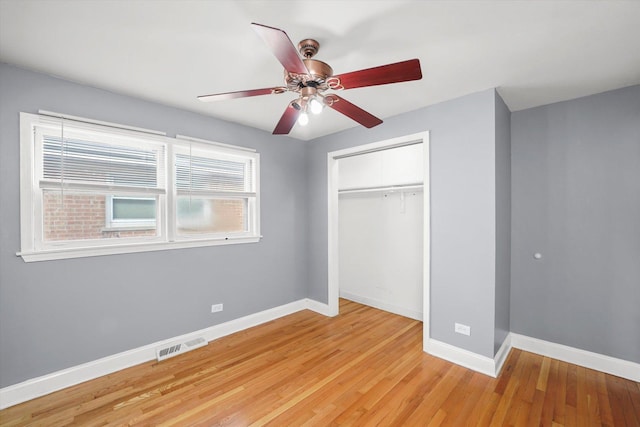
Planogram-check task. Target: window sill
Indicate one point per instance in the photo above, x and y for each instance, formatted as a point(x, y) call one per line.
point(68, 253)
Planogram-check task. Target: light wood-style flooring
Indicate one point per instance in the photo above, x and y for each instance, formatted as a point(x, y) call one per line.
point(364, 367)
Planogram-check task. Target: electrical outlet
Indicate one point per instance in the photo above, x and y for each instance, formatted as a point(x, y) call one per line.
point(216, 308)
point(462, 329)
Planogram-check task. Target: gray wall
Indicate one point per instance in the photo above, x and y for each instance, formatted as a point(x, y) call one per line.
point(462, 212)
point(574, 197)
point(503, 222)
point(58, 314)
point(576, 200)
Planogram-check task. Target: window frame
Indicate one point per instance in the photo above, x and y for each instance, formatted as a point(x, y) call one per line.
point(33, 244)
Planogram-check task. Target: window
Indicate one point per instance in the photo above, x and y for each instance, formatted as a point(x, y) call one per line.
point(89, 189)
point(130, 213)
point(212, 192)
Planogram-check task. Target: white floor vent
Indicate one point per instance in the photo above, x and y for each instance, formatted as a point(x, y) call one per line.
point(175, 349)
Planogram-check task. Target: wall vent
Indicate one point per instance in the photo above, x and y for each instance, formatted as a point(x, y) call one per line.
point(175, 349)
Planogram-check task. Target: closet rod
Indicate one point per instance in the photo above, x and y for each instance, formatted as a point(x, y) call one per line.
point(382, 188)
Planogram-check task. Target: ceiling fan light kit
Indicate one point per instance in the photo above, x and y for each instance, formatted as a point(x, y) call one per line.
point(311, 78)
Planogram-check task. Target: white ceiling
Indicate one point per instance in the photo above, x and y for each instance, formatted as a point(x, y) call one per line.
point(534, 52)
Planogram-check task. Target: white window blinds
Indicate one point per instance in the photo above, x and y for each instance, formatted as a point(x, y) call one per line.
point(91, 160)
point(199, 173)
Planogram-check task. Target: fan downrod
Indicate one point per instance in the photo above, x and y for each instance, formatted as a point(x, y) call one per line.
point(308, 48)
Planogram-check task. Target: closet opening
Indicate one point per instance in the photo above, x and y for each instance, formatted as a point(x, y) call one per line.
point(379, 226)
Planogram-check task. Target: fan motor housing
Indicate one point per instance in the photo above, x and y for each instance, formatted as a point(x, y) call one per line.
point(319, 72)
point(318, 69)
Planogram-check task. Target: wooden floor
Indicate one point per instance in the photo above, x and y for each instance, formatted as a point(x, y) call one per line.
point(365, 367)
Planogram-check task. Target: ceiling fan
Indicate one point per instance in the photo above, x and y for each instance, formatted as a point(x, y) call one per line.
point(310, 79)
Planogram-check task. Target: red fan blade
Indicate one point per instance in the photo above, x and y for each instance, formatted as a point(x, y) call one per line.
point(392, 73)
point(241, 94)
point(352, 111)
point(287, 121)
point(282, 47)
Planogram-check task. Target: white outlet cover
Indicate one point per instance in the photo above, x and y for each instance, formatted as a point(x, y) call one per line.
point(216, 308)
point(463, 329)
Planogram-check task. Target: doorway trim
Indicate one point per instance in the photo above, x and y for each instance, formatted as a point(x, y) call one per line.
point(333, 226)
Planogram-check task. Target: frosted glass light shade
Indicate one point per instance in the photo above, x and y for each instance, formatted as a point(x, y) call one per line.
point(315, 106)
point(303, 119)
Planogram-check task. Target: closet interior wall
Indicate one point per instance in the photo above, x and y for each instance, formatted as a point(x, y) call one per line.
point(381, 229)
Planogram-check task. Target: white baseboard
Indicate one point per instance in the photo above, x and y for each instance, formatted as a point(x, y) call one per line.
point(599, 362)
point(36, 387)
point(501, 355)
point(492, 367)
point(319, 307)
point(402, 311)
point(468, 359)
